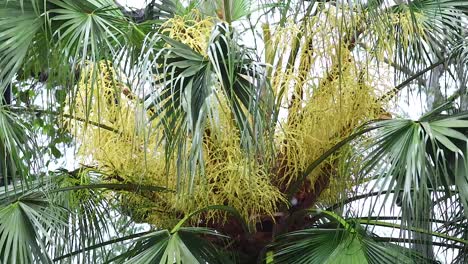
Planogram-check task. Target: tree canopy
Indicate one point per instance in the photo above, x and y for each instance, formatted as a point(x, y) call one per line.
point(233, 131)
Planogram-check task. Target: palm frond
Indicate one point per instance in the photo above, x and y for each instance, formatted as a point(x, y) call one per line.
point(348, 243)
point(92, 211)
point(20, 24)
point(183, 246)
point(24, 229)
point(14, 146)
point(87, 30)
point(422, 32)
point(241, 80)
point(87, 212)
point(417, 160)
point(189, 96)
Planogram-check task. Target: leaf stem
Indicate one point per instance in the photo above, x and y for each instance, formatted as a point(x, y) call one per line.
point(414, 229)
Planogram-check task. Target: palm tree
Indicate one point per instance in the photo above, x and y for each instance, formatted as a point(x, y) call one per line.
point(233, 131)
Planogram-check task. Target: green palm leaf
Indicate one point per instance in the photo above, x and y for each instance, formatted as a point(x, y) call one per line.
point(417, 160)
point(436, 25)
point(13, 147)
point(87, 29)
point(188, 96)
point(182, 246)
point(24, 227)
point(87, 211)
point(347, 244)
point(231, 10)
point(19, 25)
point(241, 80)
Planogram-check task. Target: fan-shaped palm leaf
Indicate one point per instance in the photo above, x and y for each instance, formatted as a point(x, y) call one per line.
point(423, 28)
point(13, 147)
point(19, 24)
point(346, 244)
point(417, 160)
point(189, 96)
point(87, 29)
point(182, 246)
point(24, 229)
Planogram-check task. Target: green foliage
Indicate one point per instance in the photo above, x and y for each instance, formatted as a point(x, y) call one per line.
point(179, 125)
point(348, 243)
point(24, 229)
point(182, 246)
point(335, 246)
point(414, 158)
point(13, 147)
point(16, 17)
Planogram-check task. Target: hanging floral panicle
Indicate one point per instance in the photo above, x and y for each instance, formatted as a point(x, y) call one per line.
point(232, 177)
point(330, 114)
point(326, 94)
point(125, 153)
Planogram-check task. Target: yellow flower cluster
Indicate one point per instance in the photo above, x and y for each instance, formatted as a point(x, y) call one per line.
point(191, 30)
point(326, 95)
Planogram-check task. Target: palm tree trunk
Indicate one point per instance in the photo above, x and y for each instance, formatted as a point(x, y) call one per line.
point(434, 94)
